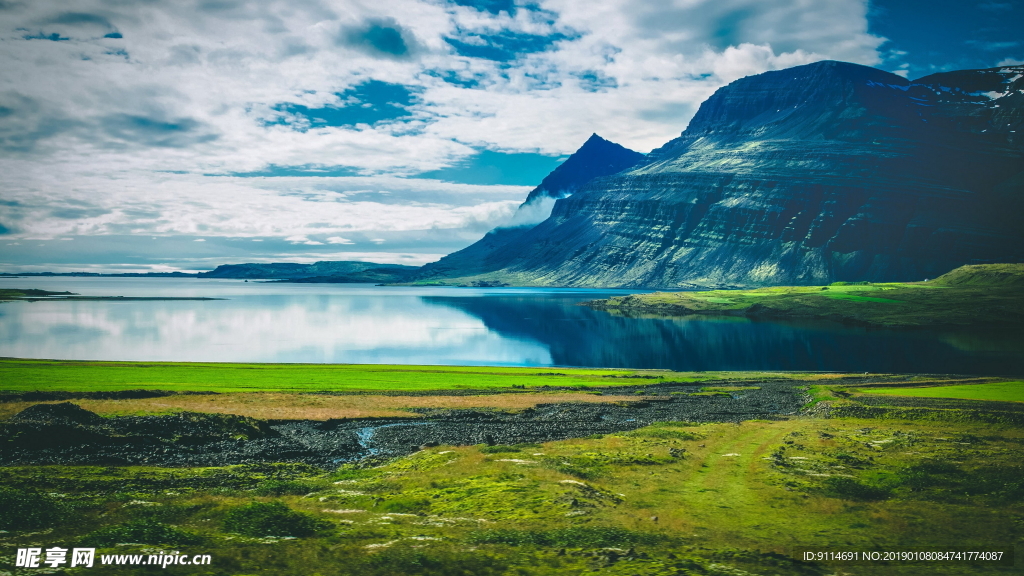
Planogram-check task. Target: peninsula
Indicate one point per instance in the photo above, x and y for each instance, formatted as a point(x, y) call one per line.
point(987, 294)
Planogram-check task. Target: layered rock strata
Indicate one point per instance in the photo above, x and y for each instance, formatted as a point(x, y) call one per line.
point(820, 173)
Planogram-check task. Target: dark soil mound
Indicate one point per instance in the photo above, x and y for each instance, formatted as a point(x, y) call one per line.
point(64, 413)
point(68, 433)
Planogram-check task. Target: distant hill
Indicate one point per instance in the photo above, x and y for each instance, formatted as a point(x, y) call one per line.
point(100, 275)
point(984, 275)
point(340, 271)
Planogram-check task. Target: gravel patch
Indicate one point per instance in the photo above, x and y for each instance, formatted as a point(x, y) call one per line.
point(67, 434)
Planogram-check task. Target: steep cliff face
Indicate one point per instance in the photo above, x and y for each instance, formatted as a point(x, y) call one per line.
point(597, 157)
point(819, 173)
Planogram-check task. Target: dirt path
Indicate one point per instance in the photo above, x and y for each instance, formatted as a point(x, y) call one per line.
point(730, 499)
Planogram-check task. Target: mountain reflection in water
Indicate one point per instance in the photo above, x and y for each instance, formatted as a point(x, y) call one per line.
point(580, 336)
point(360, 323)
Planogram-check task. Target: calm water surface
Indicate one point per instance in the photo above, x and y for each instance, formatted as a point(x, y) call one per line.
point(360, 323)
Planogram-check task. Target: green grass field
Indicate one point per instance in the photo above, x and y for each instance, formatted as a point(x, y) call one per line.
point(18, 375)
point(1004, 391)
point(23, 375)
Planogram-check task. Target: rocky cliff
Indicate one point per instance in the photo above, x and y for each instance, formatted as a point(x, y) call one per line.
point(819, 173)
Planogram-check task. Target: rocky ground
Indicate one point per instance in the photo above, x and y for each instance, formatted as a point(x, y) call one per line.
point(67, 434)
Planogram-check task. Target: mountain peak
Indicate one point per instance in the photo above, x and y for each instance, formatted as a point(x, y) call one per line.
point(823, 172)
point(596, 157)
point(769, 98)
point(836, 68)
point(822, 100)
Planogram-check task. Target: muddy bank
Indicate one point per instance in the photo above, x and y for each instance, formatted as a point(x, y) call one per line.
point(67, 434)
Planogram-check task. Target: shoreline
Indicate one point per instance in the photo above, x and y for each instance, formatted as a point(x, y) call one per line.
point(977, 296)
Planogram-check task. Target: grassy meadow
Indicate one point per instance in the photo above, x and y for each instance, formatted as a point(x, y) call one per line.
point(1012, 391)
point(20, 375)
point(26, 375)
point(670, 499)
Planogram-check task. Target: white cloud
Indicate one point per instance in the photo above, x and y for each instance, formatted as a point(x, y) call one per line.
point(141, 134)
point(302, 240)
point(339, 240)
point(532, 213)
point(293, 208)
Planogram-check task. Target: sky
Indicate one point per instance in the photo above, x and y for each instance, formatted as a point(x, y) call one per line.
point(147, 135)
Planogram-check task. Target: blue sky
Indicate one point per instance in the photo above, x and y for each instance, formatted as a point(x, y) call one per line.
point(165, 136)
point(940, 35)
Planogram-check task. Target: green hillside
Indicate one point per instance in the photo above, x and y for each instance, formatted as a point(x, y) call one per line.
point(987, 294)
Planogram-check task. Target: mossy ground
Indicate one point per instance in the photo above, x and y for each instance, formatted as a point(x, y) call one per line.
point(687, 499)
point(673, 498)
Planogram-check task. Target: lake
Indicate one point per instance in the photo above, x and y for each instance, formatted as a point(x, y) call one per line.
point(361, 323)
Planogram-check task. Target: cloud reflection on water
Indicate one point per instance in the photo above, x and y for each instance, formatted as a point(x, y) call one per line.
point(272, 322)
point(261, 328)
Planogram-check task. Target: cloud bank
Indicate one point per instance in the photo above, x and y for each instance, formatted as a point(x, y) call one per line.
point(361, 125)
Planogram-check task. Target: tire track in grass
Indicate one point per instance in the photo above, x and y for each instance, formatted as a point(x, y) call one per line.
point(729, 500)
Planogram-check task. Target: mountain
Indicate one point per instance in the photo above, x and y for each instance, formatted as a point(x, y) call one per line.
point(340, 271)
point(819, 173)
point(597, 157)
